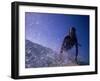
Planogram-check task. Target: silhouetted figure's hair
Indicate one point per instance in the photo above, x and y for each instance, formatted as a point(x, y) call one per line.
point(70, 41)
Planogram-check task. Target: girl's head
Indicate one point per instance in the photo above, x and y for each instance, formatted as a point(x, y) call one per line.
point(72, 31)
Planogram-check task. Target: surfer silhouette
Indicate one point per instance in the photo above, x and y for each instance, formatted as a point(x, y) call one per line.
point(70, 41)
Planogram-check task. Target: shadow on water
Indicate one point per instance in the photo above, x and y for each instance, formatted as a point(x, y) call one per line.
point(82, 63)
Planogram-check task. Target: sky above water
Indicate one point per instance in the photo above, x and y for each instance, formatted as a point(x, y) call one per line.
point(49, 30)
